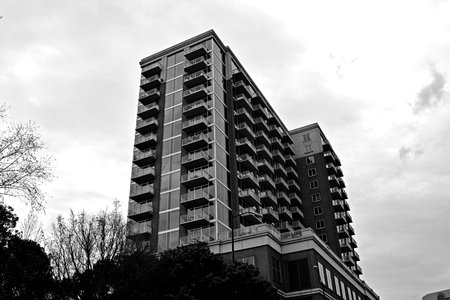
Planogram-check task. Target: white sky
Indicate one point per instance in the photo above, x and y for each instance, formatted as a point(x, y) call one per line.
point(373, 74)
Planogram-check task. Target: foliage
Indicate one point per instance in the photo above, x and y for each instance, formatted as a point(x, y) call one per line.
point(25, 271)
point(22, 166)
point(77, 244)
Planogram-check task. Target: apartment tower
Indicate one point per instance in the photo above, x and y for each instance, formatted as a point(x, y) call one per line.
point(213, 162)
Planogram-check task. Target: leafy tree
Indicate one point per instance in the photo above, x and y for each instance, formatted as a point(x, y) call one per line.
point(25, 271)
point(22, 166)
point(77, 244)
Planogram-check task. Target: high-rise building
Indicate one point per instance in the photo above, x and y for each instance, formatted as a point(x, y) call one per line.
point(324, 197)
point(213, 162)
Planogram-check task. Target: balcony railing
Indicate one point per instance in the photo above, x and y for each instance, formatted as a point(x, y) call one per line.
point(152, 69)
point(195, 159)
point(196, 141)
point(197, 196)
point(268, 198)
point(250, 197)
point(196, 108)
point(198, 177)
point(195, 51)
point(191, 239)
point(196, 93)
point(141, 228)
point(146, 111)
point(140, 211)
point(149, 96)
point(195, 218)
point(270, 215)
point(141, 192)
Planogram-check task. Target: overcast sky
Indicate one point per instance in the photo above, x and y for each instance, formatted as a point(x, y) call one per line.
point(373, 74)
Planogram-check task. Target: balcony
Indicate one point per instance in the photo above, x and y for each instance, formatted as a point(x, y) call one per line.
point(261, 124)
point(276, 143)
point(348, 259)
point(140, 211)
point(250, 197)
point(266, 182)
point(200, 63)
point(146, 126)
point(350, 229)
point(353, 243)
point(292, 173)
point(141, 175)
point(238, 75)
point(141, 230)
point(149, 96)
point(143, 142)
point(295, 199)
point(280, 170)
point(283, 199)
point(285, 227)
point(278, 156)
point(144, 158)
point(348, 217)
point(244, 101)
point(286, 138)
point(265, 167)
point(326, 146)
point(261, 111)
point(196, 78)
point(151, 82)
point(196, 108)
point(196, 51)
point(195, 219)
point(288, 149)
point(248, 179)
point(297, 225)
point(250, 215)
point(340, 218)
point(141, 192)
point(332, 180)
point(276, 131)
point(196, 197)
point(195, 238)
point(345, 245)
point(262, 138)
point(196, 93)
point(246, 146)
point(290, 160)
point(264, 152)
point(355, 255)
point(293, 186)
point(242, 115)
point(346, 206)
point(196, 141)
point(285, 213)
point(281, 184)
point(342, 231)
point(344, 194)
point(331, 157)
point(331, 169)
point(339, 172)
point(335, 193)
point(341, 182)
point(247, 162)
point(356, 269)
point(243, 130)
point(242, 88)
point(338, 205)
point(297, 213)
point(152, 69)
point(195, 159)
point(195, 178)
point(269, 215)
point(268, 198)
point(147, 111)
point(199, 123)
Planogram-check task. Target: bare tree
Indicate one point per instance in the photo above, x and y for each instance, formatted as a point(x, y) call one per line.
point(31, 228)
point(23, 168)
point(77, 244)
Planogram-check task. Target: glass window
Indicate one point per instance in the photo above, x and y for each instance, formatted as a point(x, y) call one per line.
point(306, 138)
point(167, 147)
point(220, 122)
point(162, 242)
point(173, 239)
point(318, 210)
point(223, 193)
point(276, 269)
point(168, 116)
point(308, 148)
point(175, 199)
point(165, 182)
point(221, 139)
point(179, 70)
point(176, 146)
point(175, 180)
point(178, 83)
point(343, 291)
point(312, 172)
point(170, 74)
point(223, 213)
point(336, 284)
point(314, 184)
point(169, 100)
point(310, 160)
point(167, 131)
point(323, 237)
point(171, 60)
point(170, 86)
point(222, 156)
point(163, 202)
point(174, 219)
point(222, 174)
point(315, 197)
point(320, 224)
point(329, 280)
point(321, 273)
point(177, 112)
point(178, 97)
point(163, 221)
point(179, 57)
point(165, 165)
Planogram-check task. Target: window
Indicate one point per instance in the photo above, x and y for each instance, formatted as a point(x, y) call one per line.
point(276, 269)
point(315, 197)
point(320, 224)
point(354, 295)
point(329, 280)
point(310, 160)
point(349, 293)
point(318, 210)
point(306, 138)
point(249, 260)
point(308, 148)
point(323, 237)
point(298, 274)
point(314, 184)
point(343, 291)
point(321, 273)
point(336, 284)
point(312, 172)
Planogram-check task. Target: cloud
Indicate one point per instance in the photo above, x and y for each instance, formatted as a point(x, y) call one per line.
point(432, 94)
point(404, 152)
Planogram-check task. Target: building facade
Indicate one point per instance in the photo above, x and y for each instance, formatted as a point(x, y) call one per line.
point(324, 197)
point(213, 162)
